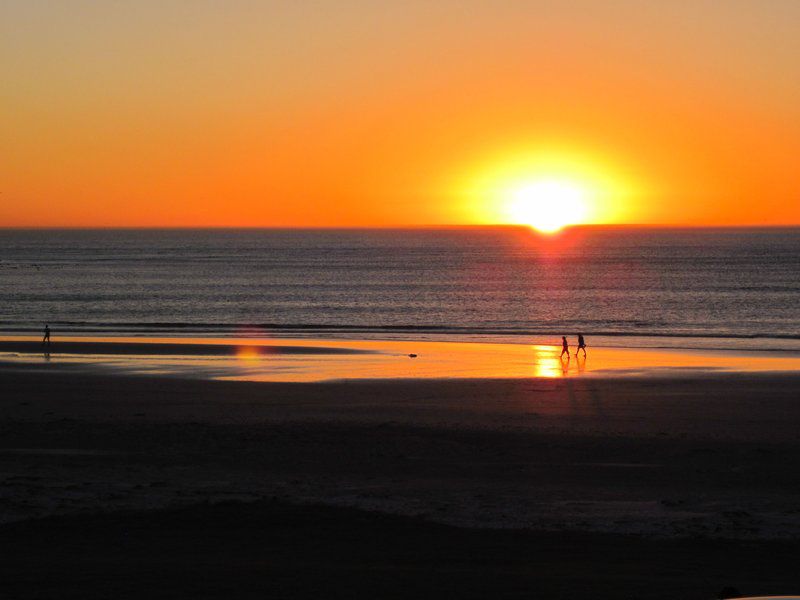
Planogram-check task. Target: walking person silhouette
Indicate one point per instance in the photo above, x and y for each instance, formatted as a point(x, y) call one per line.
point(564, 347)
point(581, 346)
point(46, 338)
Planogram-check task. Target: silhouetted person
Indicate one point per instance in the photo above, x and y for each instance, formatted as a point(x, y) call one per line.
point(581, 345)
point(46, 338)
point(564, 347)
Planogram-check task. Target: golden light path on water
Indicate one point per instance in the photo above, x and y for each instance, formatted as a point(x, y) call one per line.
point(305, 360)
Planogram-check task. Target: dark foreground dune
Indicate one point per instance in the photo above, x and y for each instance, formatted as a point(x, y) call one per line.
point(625, 488)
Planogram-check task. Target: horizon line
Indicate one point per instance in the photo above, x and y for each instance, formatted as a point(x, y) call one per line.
point(393, 227)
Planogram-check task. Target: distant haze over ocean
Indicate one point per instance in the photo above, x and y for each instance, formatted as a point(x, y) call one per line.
point(675, 287)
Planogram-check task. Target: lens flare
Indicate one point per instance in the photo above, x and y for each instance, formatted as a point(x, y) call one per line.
point(248, 353)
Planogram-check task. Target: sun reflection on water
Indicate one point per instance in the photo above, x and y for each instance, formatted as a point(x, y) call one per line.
point(547, 363)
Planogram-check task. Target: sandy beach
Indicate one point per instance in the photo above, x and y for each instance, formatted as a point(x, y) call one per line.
point(400, 300)
point(699, 468)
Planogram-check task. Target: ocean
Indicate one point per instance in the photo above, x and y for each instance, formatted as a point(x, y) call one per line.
point(727, 288)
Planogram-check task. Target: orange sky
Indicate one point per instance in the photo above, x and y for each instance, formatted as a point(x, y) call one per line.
point(362, 113)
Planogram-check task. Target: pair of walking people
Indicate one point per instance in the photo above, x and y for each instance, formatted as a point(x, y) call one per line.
point(565, 346)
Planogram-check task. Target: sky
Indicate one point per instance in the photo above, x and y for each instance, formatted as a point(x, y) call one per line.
point(349, 113)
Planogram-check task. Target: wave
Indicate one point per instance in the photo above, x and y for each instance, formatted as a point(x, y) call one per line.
point(267, 329)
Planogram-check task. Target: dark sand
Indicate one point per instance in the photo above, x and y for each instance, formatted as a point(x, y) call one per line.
point(620, 488)
point(275, 550)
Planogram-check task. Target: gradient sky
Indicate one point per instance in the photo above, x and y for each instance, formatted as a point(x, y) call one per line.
point(347, 113)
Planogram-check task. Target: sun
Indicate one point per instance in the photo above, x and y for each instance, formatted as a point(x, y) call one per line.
point(548, 205)
point(546, 188)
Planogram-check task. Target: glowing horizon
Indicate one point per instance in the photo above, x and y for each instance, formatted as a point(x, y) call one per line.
point(200, 114)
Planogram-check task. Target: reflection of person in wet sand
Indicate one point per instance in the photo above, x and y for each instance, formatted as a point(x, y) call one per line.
point(46, 338)
point(564, 346)
point(581, 345)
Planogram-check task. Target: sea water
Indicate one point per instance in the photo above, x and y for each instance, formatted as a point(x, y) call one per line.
point(737, 288)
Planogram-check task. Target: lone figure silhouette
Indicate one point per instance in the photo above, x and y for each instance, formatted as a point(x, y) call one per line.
point(46, 338)
point(564, 347)
point(581, 345)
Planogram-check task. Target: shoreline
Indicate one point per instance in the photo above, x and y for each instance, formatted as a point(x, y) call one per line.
point(109, 346)
point(310, 360)
point(761, 342)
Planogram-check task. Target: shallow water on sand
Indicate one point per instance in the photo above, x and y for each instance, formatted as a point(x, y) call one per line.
point(322, 360)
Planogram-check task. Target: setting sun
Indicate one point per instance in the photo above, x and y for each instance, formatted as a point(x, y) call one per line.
point(547, 188)
point(548, 205)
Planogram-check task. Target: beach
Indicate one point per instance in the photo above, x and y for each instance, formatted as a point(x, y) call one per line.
point(383, 300)
point(336, 359)
point(649, 485)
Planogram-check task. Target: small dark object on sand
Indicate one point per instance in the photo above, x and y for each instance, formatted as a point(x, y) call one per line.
point(412, 356)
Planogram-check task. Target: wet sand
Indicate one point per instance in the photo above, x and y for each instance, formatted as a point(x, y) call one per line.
point(640, 486)
point(316, 360)
point(106, 347)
